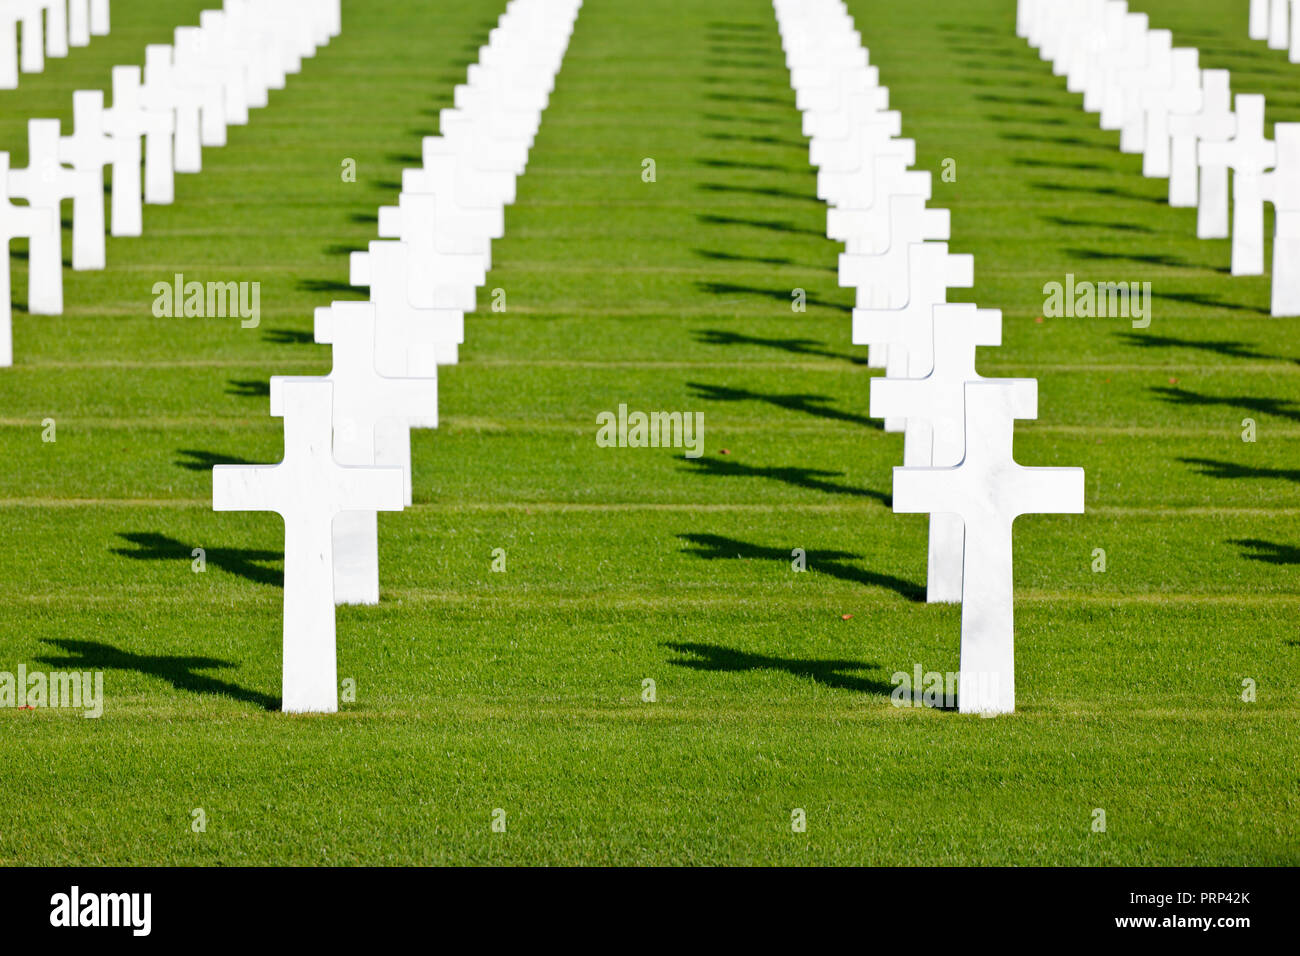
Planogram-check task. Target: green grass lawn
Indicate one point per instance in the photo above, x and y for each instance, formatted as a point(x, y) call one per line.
point(522, 691)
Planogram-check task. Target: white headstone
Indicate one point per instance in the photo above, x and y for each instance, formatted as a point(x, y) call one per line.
point(44, 184)
point(370, 414)
point(309, 489)
point(1281, 187)
point(8, 47)
point(78, 23)
point(196, 68)
point(907, 333)
point(411, 340)
point(56, 28)
point(41, 226)
point(1259, 10)
point(126, 122)
point(881, 277)
point(1124, 70)
point(1249, 154)
point(33, 44)
point(99, 18)
point(934, 408)
point(164, 91)
point(1178, 92)
point(1294, 55)
point(88, 150)
point(226, 54)
point(1214, 122)
point(1279, 25)
point(988, 491)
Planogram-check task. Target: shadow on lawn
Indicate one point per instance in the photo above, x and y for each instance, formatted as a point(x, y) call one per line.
point(178, 671)
point(712, 657)
point(794, 346)
point(1268, 551)
point(1281, 407)
point(728, 289)
point(1228, 469)
point(1227, 348)
point(817, 405)
point(204, 460)
point(814, 479)
point(715, 547)
point(247, 563)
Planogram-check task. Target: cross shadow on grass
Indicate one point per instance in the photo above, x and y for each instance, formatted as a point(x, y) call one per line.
point(1281, 407)
point(829, 673)
point(180, 672)
point(204, 460)
point(246, 563)
point(248, 387)
point(794, 346)
point(289, 337)
point(1228, 469)
point(814, 479)
point(1228, 348)
point(716, 547)
point(1268, 551)
point(816, 405)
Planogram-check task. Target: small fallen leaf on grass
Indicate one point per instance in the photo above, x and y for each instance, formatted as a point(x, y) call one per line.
point(846, 617)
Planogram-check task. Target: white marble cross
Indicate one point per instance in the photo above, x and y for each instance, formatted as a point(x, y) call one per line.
point(1249, 154)
point(1281, 187)
point(497, 161)
point(1178, 91)
point(88, 150)
point(853, 184)
point(56, 28)
point(1124, 69)
point(126, 122)
point(427, 206)
point(825, 129)
point(196, 68)
point(907, 333)
point(40, 225)
point(935, 409)
point(863, 227)
point(1213, 122)
point(78, 23)
point(1259, 11)
point(371, 414)
point(309, 489)
point(1279, 25)
point(44, 184)
point(880, 278)
point(1153, 75)
point(465, 213)
point(411, 340)
point(1100, 74)
point(32, 17)
point(9, 16)
point(226, 53)
point(854, 151)
point(445, 272)
point(164, 93)
point(988, 491)
point(99, 18)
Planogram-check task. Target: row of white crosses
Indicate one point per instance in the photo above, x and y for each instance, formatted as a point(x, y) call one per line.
point(161, 119)
point(1181, 119)
point(957, 460)
point(1278, 23)
point(347, 445)
point(49, 29)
